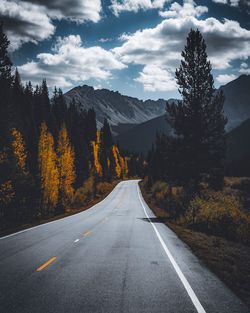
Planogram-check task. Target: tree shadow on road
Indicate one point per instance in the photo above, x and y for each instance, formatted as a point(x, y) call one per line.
point(153, 219)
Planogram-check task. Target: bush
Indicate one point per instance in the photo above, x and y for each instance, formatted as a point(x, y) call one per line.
point(84, 193)
point(219, 214)
point(171, 199)
point(103, 188)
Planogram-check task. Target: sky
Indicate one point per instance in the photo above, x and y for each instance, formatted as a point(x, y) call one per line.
point(130, 46)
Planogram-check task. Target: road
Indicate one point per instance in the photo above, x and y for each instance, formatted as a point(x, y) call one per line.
point(115, 257)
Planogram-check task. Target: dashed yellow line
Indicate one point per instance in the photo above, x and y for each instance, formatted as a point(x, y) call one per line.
point(87, 233)
point(42, 267)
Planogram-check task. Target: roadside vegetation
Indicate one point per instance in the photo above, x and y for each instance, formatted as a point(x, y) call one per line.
point(185, 181)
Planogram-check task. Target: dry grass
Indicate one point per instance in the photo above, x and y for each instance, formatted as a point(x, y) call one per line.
point(229, 260)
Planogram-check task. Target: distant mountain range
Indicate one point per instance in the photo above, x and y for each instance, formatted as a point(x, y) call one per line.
point(136, 122)
point(118, 109)
point(236, 107)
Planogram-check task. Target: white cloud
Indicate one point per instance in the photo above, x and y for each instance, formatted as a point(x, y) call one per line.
point(233, 3)
point(161, 46)
point(31, 20)
point(16, 16)
point(70, 62)
point(155, 78)
point(188, 9)
point(135, 5)
point(73, 10)
point(244, 68)
point(225, 78)
point(220, 1)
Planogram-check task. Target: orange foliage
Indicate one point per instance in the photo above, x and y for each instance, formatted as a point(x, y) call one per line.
point(19, 150)
point(66, 168)
point(118, 169)
point(48, 169)
point(96, 153)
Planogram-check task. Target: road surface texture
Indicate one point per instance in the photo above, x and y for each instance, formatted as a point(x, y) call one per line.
point(115, 257)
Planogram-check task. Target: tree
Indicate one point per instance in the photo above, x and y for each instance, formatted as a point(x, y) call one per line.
point(116, 155)
point(66, 168)
point(96, 154)
point(24, 204)
point(49, 174)
point(198, 120)
point(5, 89)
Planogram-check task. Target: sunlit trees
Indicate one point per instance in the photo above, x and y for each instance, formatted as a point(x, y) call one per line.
point(19, 150)
point(66, 156)
point(49, 173)
point(96, 154)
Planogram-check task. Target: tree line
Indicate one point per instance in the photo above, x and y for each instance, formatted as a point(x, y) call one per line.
point(48, 149)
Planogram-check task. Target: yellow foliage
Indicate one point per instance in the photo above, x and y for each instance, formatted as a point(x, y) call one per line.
point(103, 188)
point(220, 214)
point(19, 150)
point(66, 167)
point(96, 153)
point(7, 193)
point(85, 192)
point(48, 168)
point(116, 155)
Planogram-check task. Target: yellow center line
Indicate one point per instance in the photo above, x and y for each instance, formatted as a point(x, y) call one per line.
point(87, 233)
point(46, 264)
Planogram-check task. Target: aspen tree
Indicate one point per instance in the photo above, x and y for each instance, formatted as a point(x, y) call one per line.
point(66, 167)
point(48, 170)
point(96, 153)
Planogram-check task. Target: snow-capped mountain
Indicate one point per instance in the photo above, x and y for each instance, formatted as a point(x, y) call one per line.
point(118, 109)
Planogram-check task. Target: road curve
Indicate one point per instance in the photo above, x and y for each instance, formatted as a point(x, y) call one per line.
point(114, 257)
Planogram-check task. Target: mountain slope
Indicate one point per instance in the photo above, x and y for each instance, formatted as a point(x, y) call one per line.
point(237, 100)
point(141, 137)
point(238, 150)
point(118, 109)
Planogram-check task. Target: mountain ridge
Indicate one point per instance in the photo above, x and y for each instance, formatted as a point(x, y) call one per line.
point(117, 108)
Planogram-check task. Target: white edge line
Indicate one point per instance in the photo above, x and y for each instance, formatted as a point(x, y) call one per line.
point(47, 223)
point(183, 279)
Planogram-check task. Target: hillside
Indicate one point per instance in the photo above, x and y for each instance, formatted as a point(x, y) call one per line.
point(238, 150)
point(237, 100)
point(141, 137)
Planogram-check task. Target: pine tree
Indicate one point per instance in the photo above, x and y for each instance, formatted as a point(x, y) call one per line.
point(5, 90)
point(66, 157)
point(49, 174)
point(198, 119)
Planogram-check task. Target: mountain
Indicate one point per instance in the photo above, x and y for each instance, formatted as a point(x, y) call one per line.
point(238, 150)
point(237, 100)
point(141, 137)
point(118, 109)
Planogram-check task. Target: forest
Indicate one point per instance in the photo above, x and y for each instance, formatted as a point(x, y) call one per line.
point(52, 156)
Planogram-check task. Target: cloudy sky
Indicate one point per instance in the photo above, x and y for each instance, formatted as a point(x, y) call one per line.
point(132, 46)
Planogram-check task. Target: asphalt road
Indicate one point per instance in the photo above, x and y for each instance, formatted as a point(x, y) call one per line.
point(114, 257)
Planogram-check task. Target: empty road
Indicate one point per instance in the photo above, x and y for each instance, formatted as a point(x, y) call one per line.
point(114, 257)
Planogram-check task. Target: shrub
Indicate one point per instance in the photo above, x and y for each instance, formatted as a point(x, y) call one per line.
point(84, 193)
point(103, 188)
point(219, 214)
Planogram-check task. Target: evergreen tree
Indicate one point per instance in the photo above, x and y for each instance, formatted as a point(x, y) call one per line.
point(5, 90)
point(198, 119)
